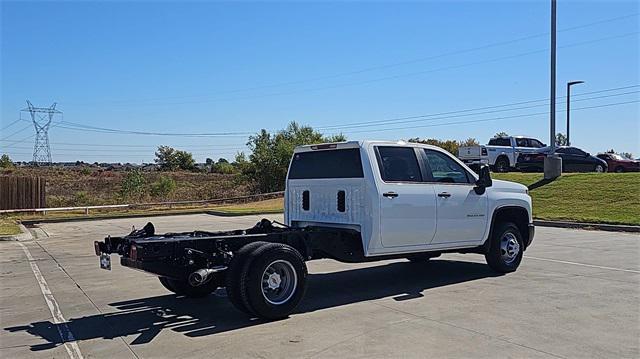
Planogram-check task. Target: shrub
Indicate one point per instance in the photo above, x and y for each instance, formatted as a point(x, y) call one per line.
point(5, 161)
point(81, 198)
point(163, 187)
point(132, 185)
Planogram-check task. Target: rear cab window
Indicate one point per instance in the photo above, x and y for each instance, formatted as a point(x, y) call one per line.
point(398, 164)
point(341, 163)
point(500, 141)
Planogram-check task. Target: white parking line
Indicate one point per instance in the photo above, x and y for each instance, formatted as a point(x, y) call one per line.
point(583, 264)
point(66, 336)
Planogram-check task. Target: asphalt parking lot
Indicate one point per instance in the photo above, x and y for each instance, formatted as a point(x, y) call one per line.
point(576, 295)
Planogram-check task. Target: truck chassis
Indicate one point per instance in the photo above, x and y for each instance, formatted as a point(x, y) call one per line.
point(262, 268)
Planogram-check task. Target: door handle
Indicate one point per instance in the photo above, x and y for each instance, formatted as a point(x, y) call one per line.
point(390, 194)
point(444, 194)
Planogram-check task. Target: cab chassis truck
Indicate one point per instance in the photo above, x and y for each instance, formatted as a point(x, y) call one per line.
point(351, 202)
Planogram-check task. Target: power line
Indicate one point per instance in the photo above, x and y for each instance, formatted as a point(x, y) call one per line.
point(413, 118)
point(385, 66)
point(11, 124)
point(17, 132)
point(408, 119)
point(81, 127)
point(491, 119)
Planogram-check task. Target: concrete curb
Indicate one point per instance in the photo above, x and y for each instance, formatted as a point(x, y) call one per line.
point(24, 236)
point(592, 226)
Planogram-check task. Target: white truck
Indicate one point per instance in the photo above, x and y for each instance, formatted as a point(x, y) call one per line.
point(501, 153)
point(349, 201)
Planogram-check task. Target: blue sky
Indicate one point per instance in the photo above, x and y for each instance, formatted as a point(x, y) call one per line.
point(225, 67)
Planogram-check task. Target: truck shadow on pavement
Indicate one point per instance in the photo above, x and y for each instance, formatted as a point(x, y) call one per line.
point(145, 318)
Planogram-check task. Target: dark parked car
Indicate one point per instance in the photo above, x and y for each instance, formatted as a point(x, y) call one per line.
point(573, 160)
point(619, 164)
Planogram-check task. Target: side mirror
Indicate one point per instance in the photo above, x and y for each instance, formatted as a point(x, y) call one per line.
point(484, 180)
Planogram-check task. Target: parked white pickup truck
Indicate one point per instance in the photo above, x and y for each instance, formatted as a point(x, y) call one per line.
point(501, 153)
point(348, 201)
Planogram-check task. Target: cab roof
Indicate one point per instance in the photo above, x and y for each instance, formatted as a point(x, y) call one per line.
point(360, 144)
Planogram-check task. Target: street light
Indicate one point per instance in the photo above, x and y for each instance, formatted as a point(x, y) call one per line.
point(569, 84)
point(552, 162)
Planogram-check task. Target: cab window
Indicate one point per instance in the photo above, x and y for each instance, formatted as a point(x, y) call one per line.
point(535, 143)
point(444, 169)
point(522, 142)
point(398, 164)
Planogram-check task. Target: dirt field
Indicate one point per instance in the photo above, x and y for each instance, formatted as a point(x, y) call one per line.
point(91, 186)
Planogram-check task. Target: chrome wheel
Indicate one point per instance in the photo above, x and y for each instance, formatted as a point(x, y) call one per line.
point(279, 282)
point(599, 168)
point(509, 248)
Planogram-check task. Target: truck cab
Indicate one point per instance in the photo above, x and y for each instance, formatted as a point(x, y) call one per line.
point(401, 197)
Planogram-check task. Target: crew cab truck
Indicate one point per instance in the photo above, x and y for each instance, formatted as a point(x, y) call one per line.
point(348, 201)
point(501, 153)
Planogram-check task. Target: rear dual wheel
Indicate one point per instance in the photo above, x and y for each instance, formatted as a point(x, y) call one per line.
point(268, 280)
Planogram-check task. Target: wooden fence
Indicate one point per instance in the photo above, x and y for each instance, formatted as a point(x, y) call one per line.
point(22, 192)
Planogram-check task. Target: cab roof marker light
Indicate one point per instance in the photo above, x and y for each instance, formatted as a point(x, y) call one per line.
point(324, 146)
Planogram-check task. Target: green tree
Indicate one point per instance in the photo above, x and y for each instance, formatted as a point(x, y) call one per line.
point(449, 145)
point(163, 187)
point(5, 161)
point(185, 160)
point(170, 159)
point(223, 166)
point(266, 167)
point(561, 139)
point(132, 186)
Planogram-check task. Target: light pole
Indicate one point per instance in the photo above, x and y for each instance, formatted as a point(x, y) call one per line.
point(552, 162)
point(569, 84)
point(552, 107)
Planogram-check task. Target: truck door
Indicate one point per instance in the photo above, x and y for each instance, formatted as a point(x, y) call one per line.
point(407, 203)
point(461, 213)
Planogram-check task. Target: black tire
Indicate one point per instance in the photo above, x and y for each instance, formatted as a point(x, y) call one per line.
point(619, 169)
point(239, 264)
point(502, 164)
point(499, 259)
point(285, 298)
point(180, 287)
point(599, 169)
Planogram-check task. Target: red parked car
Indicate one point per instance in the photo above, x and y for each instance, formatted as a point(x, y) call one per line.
point(619, 164)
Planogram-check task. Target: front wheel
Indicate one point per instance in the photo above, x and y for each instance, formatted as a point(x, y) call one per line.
point(506, 248)
point(619, 169)
point(599, 168)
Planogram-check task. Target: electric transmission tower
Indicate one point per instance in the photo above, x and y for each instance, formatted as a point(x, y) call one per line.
point(41, 118)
